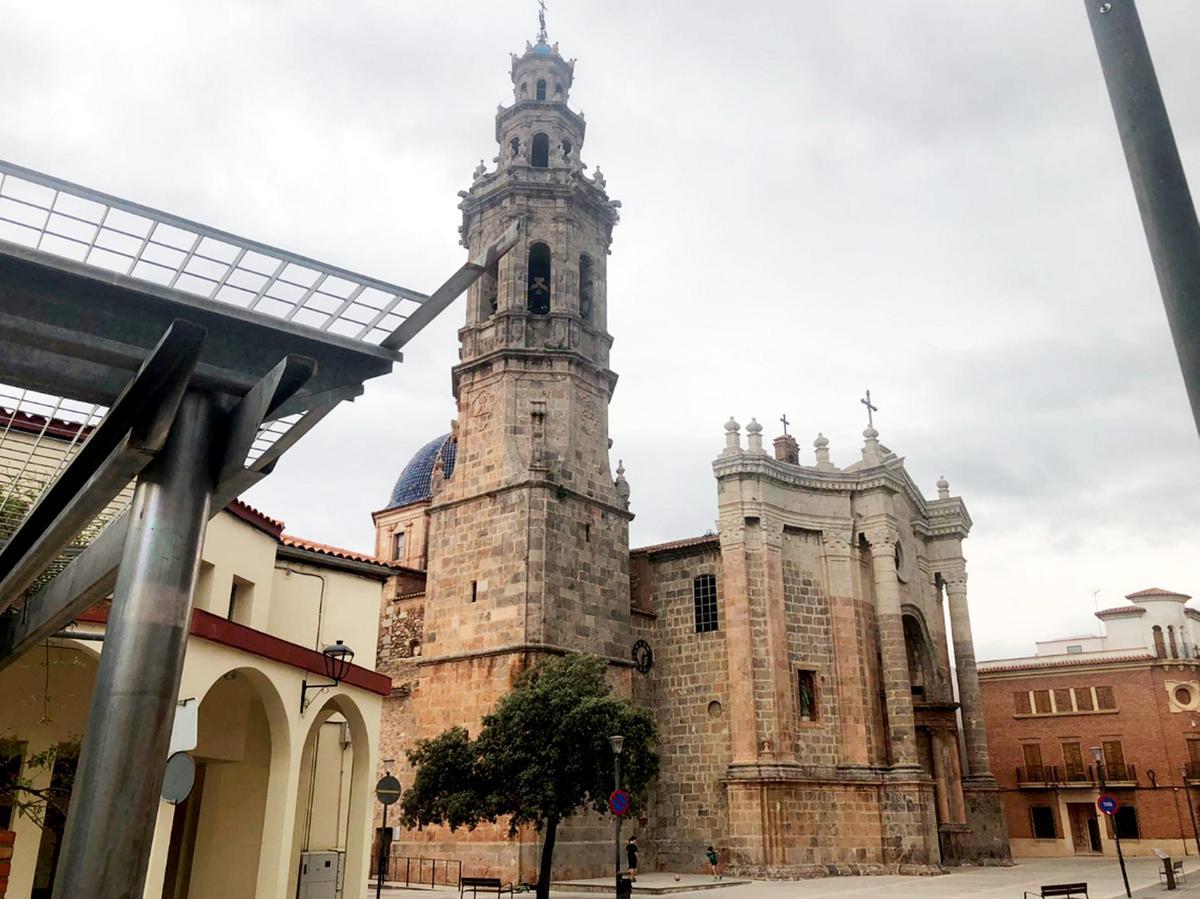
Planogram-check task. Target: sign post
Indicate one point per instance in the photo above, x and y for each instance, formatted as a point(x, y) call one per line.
point(387, 791)
point(1107, 803)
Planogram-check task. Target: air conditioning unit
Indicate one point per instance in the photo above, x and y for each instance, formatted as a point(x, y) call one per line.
point(319, 875)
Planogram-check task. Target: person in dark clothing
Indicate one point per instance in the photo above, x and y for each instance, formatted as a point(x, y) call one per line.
point(631, 852)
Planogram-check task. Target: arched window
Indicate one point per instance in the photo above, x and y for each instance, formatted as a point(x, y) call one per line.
point(1171, 640)
point(1160, 648)
point(585, 286)
point(540, 156)
point(704, 599)
point(539, 279)
point(541, 89)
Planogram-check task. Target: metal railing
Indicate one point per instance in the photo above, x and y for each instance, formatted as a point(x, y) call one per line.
point(53, 216)
point(1071, 775)
point(418, 872)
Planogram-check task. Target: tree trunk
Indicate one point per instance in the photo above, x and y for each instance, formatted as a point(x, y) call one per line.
point(543, 884)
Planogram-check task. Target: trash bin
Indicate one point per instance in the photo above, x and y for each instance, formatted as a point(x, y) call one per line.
point(624, 886)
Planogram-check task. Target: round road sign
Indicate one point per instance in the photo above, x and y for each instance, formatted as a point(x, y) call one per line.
point(1108, 804)
point(388, 789)
point(618, 802)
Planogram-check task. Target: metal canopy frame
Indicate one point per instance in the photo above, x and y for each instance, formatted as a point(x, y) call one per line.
point(149, 388)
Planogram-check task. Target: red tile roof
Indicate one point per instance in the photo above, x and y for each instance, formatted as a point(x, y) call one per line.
point(1155, 591)
point(36, 424)
point(273, 527)
point(335, 551)
point(1061, 662)
point(714, 539)
point(1119, 611)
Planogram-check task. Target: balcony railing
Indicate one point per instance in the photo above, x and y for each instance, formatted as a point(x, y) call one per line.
point(1081, 775)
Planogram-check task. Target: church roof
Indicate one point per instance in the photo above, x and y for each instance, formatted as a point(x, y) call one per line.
point(686, 543)
point(415, 483)
point(1154, 592)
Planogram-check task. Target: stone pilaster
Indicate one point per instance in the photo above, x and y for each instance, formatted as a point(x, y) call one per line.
point(780, 727)
point(969, 695)
point(739, 643)
point(853, 712)
point(896, 684)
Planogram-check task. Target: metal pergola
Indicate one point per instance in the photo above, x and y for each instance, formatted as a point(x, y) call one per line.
point(151, 369)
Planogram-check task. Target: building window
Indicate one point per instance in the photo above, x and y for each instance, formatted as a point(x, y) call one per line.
point(541, 89)
point(1073, 762)
point(1021, 702)
point(1042, 819)
point(1083, 699)
point(398, 541)
point(539, 279)
point(1125, 823)
point(806, 694)
point(585, 286)
point(540, 153)
point(489, 291)
point(1160, 648)
point(704, 599)
point(1074, 649)
point(1041, 702)
point(1062, 701)
point(241, 599)
point(474, 591)
point(1031, 754)
point(1105, 700)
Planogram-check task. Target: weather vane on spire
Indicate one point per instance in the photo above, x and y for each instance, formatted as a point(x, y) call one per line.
point(542, 21)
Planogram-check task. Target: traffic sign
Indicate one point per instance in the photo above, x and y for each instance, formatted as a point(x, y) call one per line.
point(618, 802)
point(1108, 804)
point(387, 790)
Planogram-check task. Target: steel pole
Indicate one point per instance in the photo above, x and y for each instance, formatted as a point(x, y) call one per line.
point(1159, 182)
point(617, 835)
point(381, 866)
point(115, 802)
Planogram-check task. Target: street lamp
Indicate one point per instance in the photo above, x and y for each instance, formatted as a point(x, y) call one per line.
point(618, 743)
point(337, 658)
point(1098, 755)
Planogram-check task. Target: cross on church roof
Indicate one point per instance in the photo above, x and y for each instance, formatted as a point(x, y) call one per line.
point(870, 410)
point(541, 21)
point(783, 418)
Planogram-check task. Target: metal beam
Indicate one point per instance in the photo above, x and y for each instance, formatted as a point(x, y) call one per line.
point(114, 803)
point(278, 386)
point(1159, 182)
point(83, 583)
point(450, 291)
point(124, 442)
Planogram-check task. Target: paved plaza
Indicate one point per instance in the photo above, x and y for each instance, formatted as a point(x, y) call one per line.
point(1101, 874)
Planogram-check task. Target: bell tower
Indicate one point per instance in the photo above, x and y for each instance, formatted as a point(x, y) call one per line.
point(529, 538)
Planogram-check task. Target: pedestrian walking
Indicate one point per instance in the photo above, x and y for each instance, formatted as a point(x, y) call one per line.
point(631, 853)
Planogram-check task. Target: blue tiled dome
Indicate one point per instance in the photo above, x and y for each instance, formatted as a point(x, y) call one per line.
point(415, 482)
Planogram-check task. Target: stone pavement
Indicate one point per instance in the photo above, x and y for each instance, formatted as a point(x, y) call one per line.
point(1101, 874)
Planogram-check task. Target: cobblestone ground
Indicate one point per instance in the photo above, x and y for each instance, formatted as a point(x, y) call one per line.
point(1102, 876)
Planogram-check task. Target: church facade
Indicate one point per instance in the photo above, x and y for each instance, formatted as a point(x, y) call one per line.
point(797, 661)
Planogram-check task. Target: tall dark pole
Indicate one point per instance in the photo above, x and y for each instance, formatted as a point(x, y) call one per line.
point(1159, 183)
point(617, 837)
point(381, 868)
point(1187, 795)
point(1116, 831)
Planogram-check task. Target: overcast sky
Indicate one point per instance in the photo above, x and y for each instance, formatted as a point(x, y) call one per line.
point(926, 198)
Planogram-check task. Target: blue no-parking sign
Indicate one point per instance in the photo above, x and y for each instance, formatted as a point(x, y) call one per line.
point(619, 802)
point(1108, 804)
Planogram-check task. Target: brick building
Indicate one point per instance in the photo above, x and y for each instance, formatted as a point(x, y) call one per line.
point(1135, 694)
point(797, 661)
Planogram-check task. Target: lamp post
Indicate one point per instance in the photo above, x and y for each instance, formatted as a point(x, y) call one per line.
point(1187, 795)
point(1098, 755)
point(337, 658)
point(618, 743)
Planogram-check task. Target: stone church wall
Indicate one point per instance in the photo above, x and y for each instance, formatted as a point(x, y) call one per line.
point(688, 691)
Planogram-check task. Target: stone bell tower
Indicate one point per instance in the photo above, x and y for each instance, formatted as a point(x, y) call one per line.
point(529, 545)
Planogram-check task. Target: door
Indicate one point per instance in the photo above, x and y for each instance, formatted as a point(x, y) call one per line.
point(1085, 829)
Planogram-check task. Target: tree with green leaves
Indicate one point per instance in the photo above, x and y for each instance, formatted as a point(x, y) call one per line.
point(541, 756)
point(20, 777)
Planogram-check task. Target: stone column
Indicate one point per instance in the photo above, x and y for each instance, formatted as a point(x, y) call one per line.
point(969, 696)
point(941, 780)
point(847, 649)
point(897, 687)
point(782, 726)
point(739, 643)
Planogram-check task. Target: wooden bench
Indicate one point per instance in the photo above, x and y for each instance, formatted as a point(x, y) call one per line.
point(483, 883)
point(1061, 889)
point(1176, 867)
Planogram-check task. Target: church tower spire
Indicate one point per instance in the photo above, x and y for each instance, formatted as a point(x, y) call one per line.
point(529, 543)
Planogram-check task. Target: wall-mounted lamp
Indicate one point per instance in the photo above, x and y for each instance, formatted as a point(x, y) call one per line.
point(337, 657)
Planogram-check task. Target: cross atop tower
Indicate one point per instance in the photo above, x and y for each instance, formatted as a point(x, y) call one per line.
point(541, 21)
point(870, 410)
point(783, 418)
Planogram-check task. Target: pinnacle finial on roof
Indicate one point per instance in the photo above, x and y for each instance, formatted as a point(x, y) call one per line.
point(542, 37)
point(943, 487)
